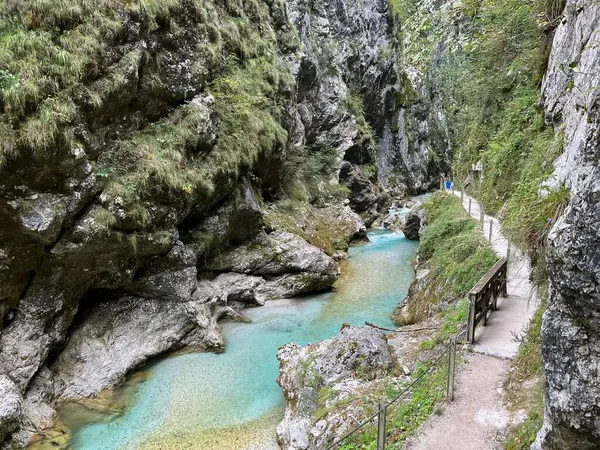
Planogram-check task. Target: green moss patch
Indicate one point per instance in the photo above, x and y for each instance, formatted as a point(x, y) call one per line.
point(320, 227)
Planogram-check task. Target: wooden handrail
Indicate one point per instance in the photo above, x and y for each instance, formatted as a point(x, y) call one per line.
point(484, 296)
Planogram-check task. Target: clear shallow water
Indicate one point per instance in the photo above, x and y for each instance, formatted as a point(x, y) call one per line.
point(231, 400)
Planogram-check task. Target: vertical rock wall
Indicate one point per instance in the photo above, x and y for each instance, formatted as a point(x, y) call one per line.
point(571, 326)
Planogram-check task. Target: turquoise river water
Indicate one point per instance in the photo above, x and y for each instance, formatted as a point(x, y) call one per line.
point(231, 400)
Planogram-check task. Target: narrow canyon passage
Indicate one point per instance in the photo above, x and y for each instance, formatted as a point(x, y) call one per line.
point(231, 400)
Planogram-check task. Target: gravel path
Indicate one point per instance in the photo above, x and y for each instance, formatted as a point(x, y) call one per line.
point(515, 311)
point(477, 419)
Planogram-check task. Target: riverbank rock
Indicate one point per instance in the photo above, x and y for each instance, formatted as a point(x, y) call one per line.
point(425, 298)
point(331, 228)
point(319, 375)
point(274, 254)
point(412, 226)
point(11, 404)
point(394, 223)
point(118, 335)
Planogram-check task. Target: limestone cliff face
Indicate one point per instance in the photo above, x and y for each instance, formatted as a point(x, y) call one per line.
point(571, 326)
point(127, 232)
point(354, 46)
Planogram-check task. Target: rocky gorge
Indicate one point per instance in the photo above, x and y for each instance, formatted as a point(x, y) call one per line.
point(565, 249)
point(166, 164)
point(137, 188)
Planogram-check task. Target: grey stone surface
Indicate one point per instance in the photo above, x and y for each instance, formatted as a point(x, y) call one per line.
point(363, 193)
point(342, 47)
point(341, 365)
point(571, 326)
point(120, 334)
point(412, 225)
point(274, 254)
point(10, 406)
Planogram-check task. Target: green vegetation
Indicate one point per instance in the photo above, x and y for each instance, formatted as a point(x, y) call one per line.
point(415, 34)
point(405, 417)
point(249, 77)
point(104, 218)
point(55, 71)
point(493, 88)
point(318, 226)
point(168, 152)
point(453, 319)
point(354, 103)
point(457, 255)
point(49, 50)
point(307, 173)
point(424, 397)
point(525, 386)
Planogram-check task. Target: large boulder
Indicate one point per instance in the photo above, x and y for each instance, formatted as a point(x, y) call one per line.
point(118, 335)
point(11, 404)
point(275, 265)
point(256, 290)
point(275, 254)
point(412, 225)
point(336, 366)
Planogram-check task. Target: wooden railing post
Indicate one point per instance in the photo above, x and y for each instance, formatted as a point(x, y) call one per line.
point(462, 194)
point(505, 285)
point(508, 251)
point(381, 427)
point(484, 296)
point(442, 183)
point(470, 200)
point(481, 217)
point(471, 319)
point(491, 229)
point(451, 367)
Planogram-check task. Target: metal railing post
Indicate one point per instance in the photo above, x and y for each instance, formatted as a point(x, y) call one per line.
point(381, 427)
point(451, 367)
point(491, 228)
point(470, 200)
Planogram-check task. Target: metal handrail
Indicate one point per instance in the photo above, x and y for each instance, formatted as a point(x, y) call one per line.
point(394, 400)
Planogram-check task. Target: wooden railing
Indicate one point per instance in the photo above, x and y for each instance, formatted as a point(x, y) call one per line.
point(483, 297)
